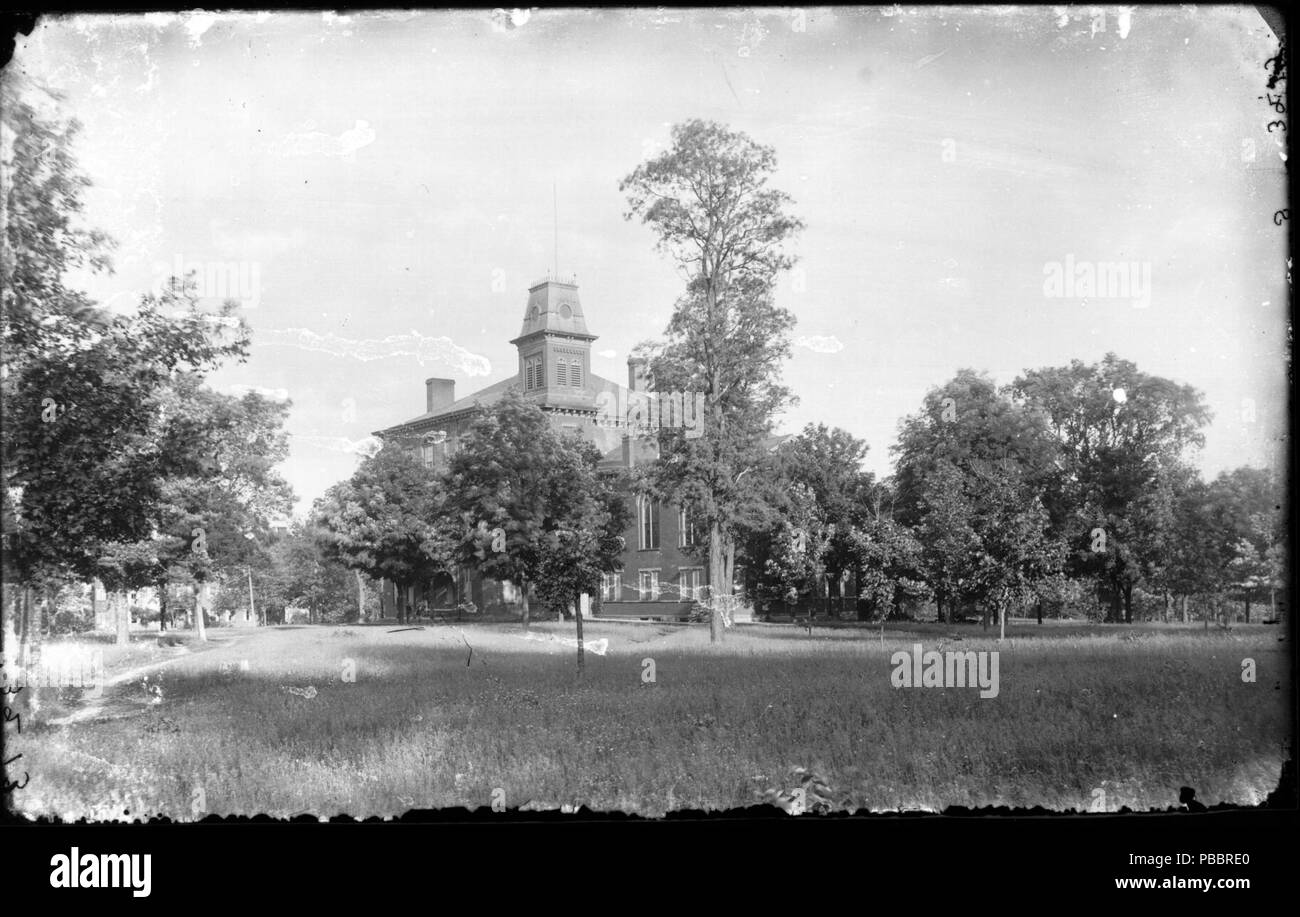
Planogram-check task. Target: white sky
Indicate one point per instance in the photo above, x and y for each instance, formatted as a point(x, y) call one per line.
point(390, 175)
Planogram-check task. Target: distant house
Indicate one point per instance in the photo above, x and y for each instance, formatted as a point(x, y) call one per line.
point(658, 577)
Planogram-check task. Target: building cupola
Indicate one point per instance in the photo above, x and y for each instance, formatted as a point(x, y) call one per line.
point(554, 345)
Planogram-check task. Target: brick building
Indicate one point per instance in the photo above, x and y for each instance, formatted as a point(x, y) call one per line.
point(659, 577)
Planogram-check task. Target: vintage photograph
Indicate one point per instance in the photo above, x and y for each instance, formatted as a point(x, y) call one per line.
point(587, 411)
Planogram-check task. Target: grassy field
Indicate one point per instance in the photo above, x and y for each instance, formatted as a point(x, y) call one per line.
point(447, 716)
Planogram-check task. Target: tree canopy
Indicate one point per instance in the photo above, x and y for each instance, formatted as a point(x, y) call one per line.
point(708, 202)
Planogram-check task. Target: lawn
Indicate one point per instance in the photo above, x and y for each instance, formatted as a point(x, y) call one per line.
point(449, 716)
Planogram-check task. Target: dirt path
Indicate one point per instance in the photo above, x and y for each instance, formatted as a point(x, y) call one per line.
point(94, 708)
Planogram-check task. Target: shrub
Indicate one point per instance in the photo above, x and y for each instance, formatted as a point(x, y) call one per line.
point(75, 620)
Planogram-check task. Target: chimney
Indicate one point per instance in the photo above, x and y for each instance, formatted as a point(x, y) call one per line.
point(636, 374)
point(439, 393)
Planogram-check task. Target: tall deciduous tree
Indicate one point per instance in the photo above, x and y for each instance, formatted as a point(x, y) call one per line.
point(948, 534)
point(984, 536)
point(829, 463)
point(42, 240)
point(968, 437)
point(304, 570)
point(888, 562)
point(1119, 427)
point(390, 520)
point(231, 489)
point(1017, 550)
point(588, 514)
point(42, 237)
point(1247, 513)
point(784, 553)
point(1172, 540)
point(506, 477)
point(708, 202)
point(82, 464)
point(970, 422)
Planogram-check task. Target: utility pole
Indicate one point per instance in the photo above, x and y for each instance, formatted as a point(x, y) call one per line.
point(252, 609)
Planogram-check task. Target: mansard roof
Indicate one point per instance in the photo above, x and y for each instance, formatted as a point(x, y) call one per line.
point(553, 307)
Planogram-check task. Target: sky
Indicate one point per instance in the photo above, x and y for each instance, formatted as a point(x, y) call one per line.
point(388, 186)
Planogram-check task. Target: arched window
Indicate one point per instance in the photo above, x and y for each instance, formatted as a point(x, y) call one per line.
point(685, 528)
point(648, 523)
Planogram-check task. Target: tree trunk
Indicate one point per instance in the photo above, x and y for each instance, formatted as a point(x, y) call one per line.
point(1128, 603)
point(523, 592)
point(1164, 614)
point(361, 598)
point(716, 583)
point(577, 616)
point(9, 621)
point(200, 611)
point(1185, 618)
point(1247, 609)
point(96, 611)
point(1002, 618)
point(162, 605)
point(24, 626)
point(19, 653)
point(122, 615)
